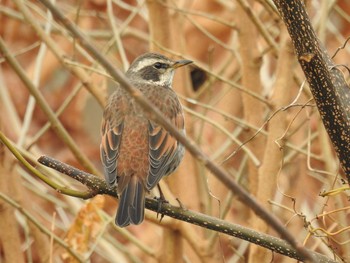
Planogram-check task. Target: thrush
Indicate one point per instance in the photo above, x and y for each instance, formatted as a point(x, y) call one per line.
point(136, 152)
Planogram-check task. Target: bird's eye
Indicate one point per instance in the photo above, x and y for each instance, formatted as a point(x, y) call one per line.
point(159, 65)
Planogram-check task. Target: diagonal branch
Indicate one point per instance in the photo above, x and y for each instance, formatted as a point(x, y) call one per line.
point(327, 83)
point(55, 122)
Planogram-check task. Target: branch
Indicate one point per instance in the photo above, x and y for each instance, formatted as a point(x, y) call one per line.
point(94, 183)
point(42, 228)
point(327, 83)
point(40, 100)
point(99, 186)
point(37, 173)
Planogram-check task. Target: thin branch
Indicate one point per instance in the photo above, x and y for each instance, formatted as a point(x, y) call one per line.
point(58, 52)
point(42, 177)
point(40, 100)
point(41, 227)
point(221, 128)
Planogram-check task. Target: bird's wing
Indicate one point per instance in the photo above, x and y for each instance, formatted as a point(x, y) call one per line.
point(164, 150)
point(111, 129)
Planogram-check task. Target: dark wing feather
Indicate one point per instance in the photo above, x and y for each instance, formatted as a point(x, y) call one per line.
point(111, 129)
point(165, 152)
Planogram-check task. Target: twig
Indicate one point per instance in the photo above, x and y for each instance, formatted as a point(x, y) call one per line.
point(41, 227)
point(58, 52)
point(231, 137)
point(40, 100)
point(38, 174)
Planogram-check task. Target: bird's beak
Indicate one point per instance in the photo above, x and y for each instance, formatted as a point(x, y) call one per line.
point(181, 63)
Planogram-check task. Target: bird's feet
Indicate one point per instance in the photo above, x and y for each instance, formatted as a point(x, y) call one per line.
point(161, 200)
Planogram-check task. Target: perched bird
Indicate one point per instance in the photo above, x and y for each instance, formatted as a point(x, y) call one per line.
point(136, 152)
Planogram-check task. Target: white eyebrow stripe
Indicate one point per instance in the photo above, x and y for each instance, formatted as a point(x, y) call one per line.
point(144, 63)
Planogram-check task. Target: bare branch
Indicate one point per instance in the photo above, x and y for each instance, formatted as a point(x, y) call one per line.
point(328, 86)
point(99, 186)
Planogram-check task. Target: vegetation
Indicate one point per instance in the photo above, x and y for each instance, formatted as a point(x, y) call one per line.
point(260, 166)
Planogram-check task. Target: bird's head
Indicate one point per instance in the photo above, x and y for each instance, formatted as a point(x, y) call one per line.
point(153, 68)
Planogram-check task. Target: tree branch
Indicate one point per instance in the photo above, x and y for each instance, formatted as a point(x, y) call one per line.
point(99, 186)
point(327, 83)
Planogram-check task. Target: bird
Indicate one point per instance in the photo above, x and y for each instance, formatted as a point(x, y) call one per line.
point(135, 151)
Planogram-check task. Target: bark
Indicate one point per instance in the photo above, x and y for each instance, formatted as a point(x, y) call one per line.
point(327, 83)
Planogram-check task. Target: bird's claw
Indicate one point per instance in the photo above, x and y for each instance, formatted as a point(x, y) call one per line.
point(161, 200)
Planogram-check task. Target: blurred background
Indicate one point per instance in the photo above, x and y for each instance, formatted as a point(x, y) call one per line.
point(247, 106)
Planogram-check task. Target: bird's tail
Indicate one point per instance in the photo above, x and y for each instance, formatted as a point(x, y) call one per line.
point(131, 208)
